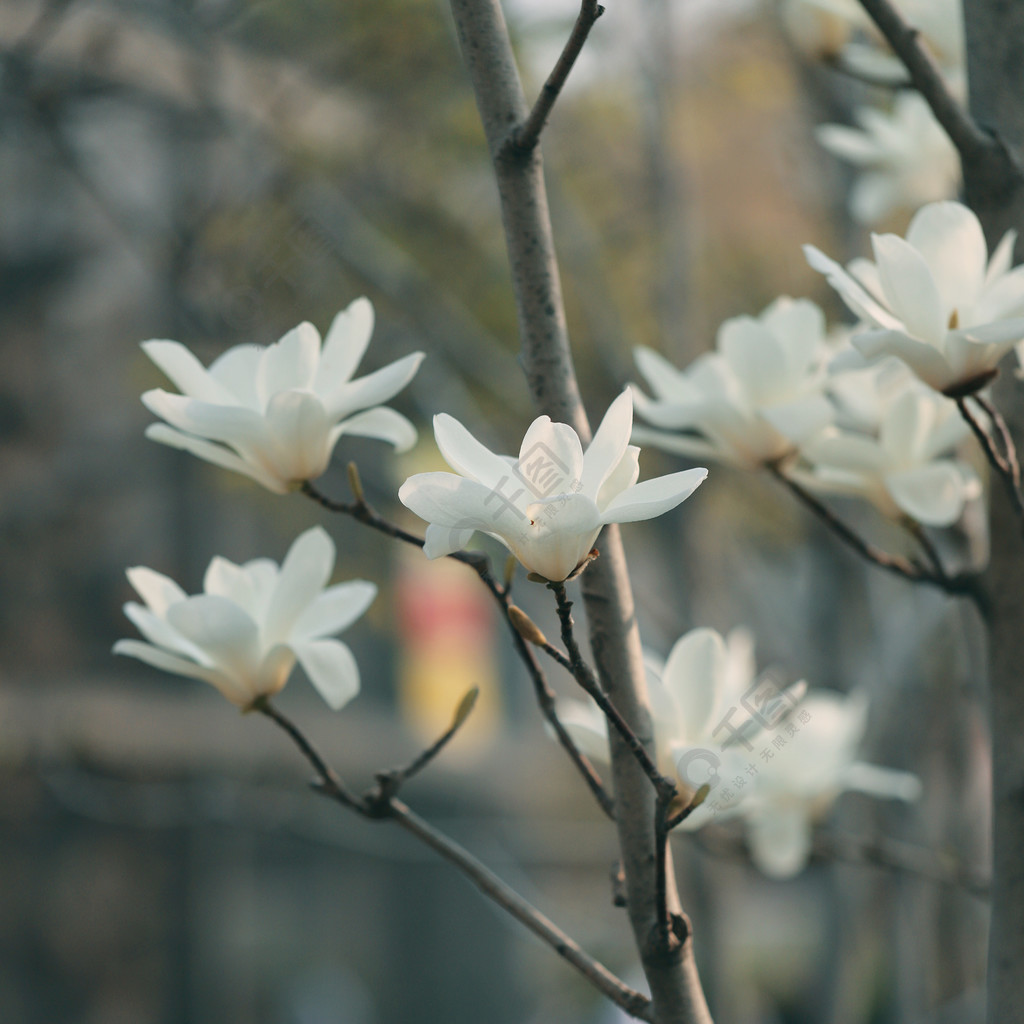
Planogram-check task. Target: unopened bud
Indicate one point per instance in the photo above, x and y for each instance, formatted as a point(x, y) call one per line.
point(525, 626)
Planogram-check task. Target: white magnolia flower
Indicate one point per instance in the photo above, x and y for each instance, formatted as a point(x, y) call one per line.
point(707, 705)
point(934, 300)
point(905, 156)
point(903, 470)
point(801, 780)
point(548, 506)
point(276, 413)
point(751, 401)
point(244, 633)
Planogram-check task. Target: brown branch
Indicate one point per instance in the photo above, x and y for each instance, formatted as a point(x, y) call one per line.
point(1006, 438)
point(362, 512)
point(971, 142)
point(527, 135)
point(1001, 465)
point(963, 584)
point(576, 664)
point(383, 806)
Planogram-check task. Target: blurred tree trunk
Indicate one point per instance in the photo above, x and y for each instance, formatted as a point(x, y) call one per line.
point(995, 40)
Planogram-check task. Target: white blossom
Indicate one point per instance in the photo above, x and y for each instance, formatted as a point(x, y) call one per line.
point(750, 402)
point(244, 633)
point(934, 299)
point(905, 469)
point(905, 158)
point(798, 784)
point(548, 505)
point(275, 414)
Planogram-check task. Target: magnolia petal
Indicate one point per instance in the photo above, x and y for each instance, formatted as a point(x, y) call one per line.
point(159, 658)
point(331, 668)
point(653, 497)
point(847, 143)
point(161, 634)
point(466, 455)
point(344, 345)
point(443, 540)
point(453, 501)
point(550, 458)
point(928, 363)
point(288, 364)
point(373, 389)
point(223, 631)
point(606, 450)
point(910, 289)
point(236, 371)
point(187, 374)
point(622, 477)
point(780, 839)
point(225, 579)
point(693, 675)
point(381, 423)
point(297, 427)
point(587, 728)
point(681, 444)
point(670, 414)
point(662, 377)
point(208, 451)
point(851, 292)
point(846, 451)
point(335, 609)
point(949, 238)
point(560, 534)
point(800, 418)
point(933, 494)
point(1004, 333)
point(1002, 258)
point(241, 428)
point(304, 571)
point(906, 426)
point(157, 590)
point(886, 783)
point(873, 197)
point(755, 357)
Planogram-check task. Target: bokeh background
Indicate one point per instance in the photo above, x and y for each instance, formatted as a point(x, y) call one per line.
point(215, 171)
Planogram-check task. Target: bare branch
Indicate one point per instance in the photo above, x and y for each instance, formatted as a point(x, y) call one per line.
point(963, 584)
point(361, 511)
point(383, 806)
point(971, 142)
point(1004, 466)
point(527, 135)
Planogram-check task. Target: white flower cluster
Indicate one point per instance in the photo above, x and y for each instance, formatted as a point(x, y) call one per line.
point(870, 415)
point(904, 157)
point(777, 758)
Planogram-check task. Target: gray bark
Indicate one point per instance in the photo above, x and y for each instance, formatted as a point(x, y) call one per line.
point(547, 363)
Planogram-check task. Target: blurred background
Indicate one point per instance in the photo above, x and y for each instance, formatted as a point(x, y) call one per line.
point(215, 171)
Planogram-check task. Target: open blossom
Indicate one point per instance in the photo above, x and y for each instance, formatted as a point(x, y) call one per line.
point(548, 506)
point(906, 469)
point(276, 413)
point(934, 299)
point(751, 401)
point(799, 783)
point(244, 633)
point(707, 705)
point(905, 157)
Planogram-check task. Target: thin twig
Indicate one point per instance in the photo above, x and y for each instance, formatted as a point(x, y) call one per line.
point(962, 584)
point(927, 78)
point(1001, 465)
point(391, 781)
point(330, 782)
point(382, 806)
point(527, 135)
point(361, 511)
point(587, 678)
point(1009, 446)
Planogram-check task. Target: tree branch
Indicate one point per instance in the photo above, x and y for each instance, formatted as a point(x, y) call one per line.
point(527, 135)
point(960, 585)
point(551, 377)
point(971, 142)
point(382, 805)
